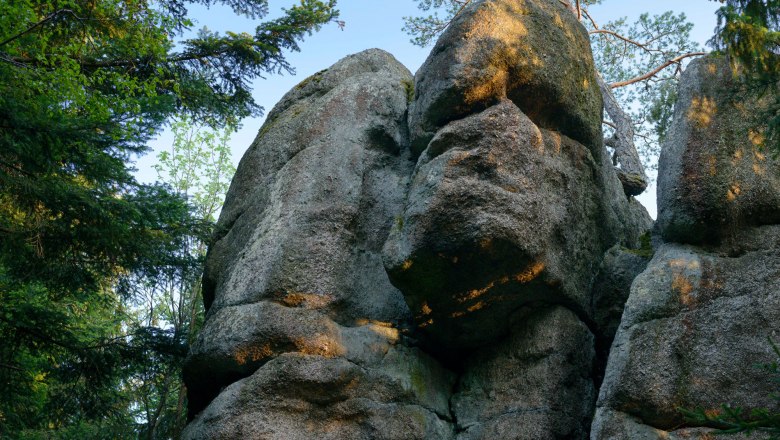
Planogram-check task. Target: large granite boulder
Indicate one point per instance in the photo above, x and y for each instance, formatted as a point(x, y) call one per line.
point(532, 52)
point(296, 264)
point(501, 213)
point(715, 176)
point(298, 396)
point(694, 328)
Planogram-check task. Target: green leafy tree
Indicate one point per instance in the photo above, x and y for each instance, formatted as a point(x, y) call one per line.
point(83, 86)
point(198, 167)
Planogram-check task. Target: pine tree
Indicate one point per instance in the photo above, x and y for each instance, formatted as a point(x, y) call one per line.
point(83, 86)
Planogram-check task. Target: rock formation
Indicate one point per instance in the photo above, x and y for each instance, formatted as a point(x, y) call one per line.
point(697, 320)
point(448, 256)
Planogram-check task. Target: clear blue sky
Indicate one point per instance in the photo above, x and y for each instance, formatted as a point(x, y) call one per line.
point(377, 23)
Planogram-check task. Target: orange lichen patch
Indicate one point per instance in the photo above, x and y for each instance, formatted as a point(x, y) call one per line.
point(556, 141)
point(458, 157)
point(759, 155)
point(426, 309)
point(486, 243)
point(759, 169)
point(585, 83)
point(386, 330)
point(476, 306)
point(702, 111)
point(737, 156)
point(756, 138)
point(557, 20)
point(714, 412)
point(529, 273)
point(426, 323)
point(684, 288)
point(457, 314)
point(307, 300)
point(712, 162)
point(733, 192)
point(681, 264)
point(406, 265)
point(253, 354)
point(321, 345)
point(476, 293)
point(682, 281)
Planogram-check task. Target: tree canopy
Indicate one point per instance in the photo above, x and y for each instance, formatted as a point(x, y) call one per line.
point(83, 87)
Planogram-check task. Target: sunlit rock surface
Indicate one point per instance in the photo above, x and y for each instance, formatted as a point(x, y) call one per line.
point(715, 176)
point(532, 52)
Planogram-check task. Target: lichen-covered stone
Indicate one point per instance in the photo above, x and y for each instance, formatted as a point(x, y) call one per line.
point(501, 213)
point(533, 52)
point(300, 397)
point(715, 177)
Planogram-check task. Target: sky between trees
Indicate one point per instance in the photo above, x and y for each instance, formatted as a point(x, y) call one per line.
point(377, 23)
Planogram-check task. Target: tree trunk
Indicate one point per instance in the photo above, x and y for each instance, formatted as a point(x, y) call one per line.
point(628, 165)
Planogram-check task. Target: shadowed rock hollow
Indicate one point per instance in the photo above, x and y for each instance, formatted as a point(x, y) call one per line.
point(448, 256)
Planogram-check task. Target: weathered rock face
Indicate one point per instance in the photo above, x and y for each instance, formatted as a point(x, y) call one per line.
point(694, 328)
point(532, 52)
point(297, 266)
point(697, 319)
point(536, 384)
point(716, 177)
point(501, 213)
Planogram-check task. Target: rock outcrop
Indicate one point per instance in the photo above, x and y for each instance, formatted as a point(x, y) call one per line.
point(302, 332)
point(698, 319)
point(455, 264)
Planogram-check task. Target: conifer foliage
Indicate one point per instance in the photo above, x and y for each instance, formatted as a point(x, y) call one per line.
point(84, 85)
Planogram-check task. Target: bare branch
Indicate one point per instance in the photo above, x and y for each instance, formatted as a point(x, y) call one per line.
point(38, 24)
point(653, 72)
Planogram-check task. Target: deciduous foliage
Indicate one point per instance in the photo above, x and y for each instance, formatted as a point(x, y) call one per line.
point(83, 86)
